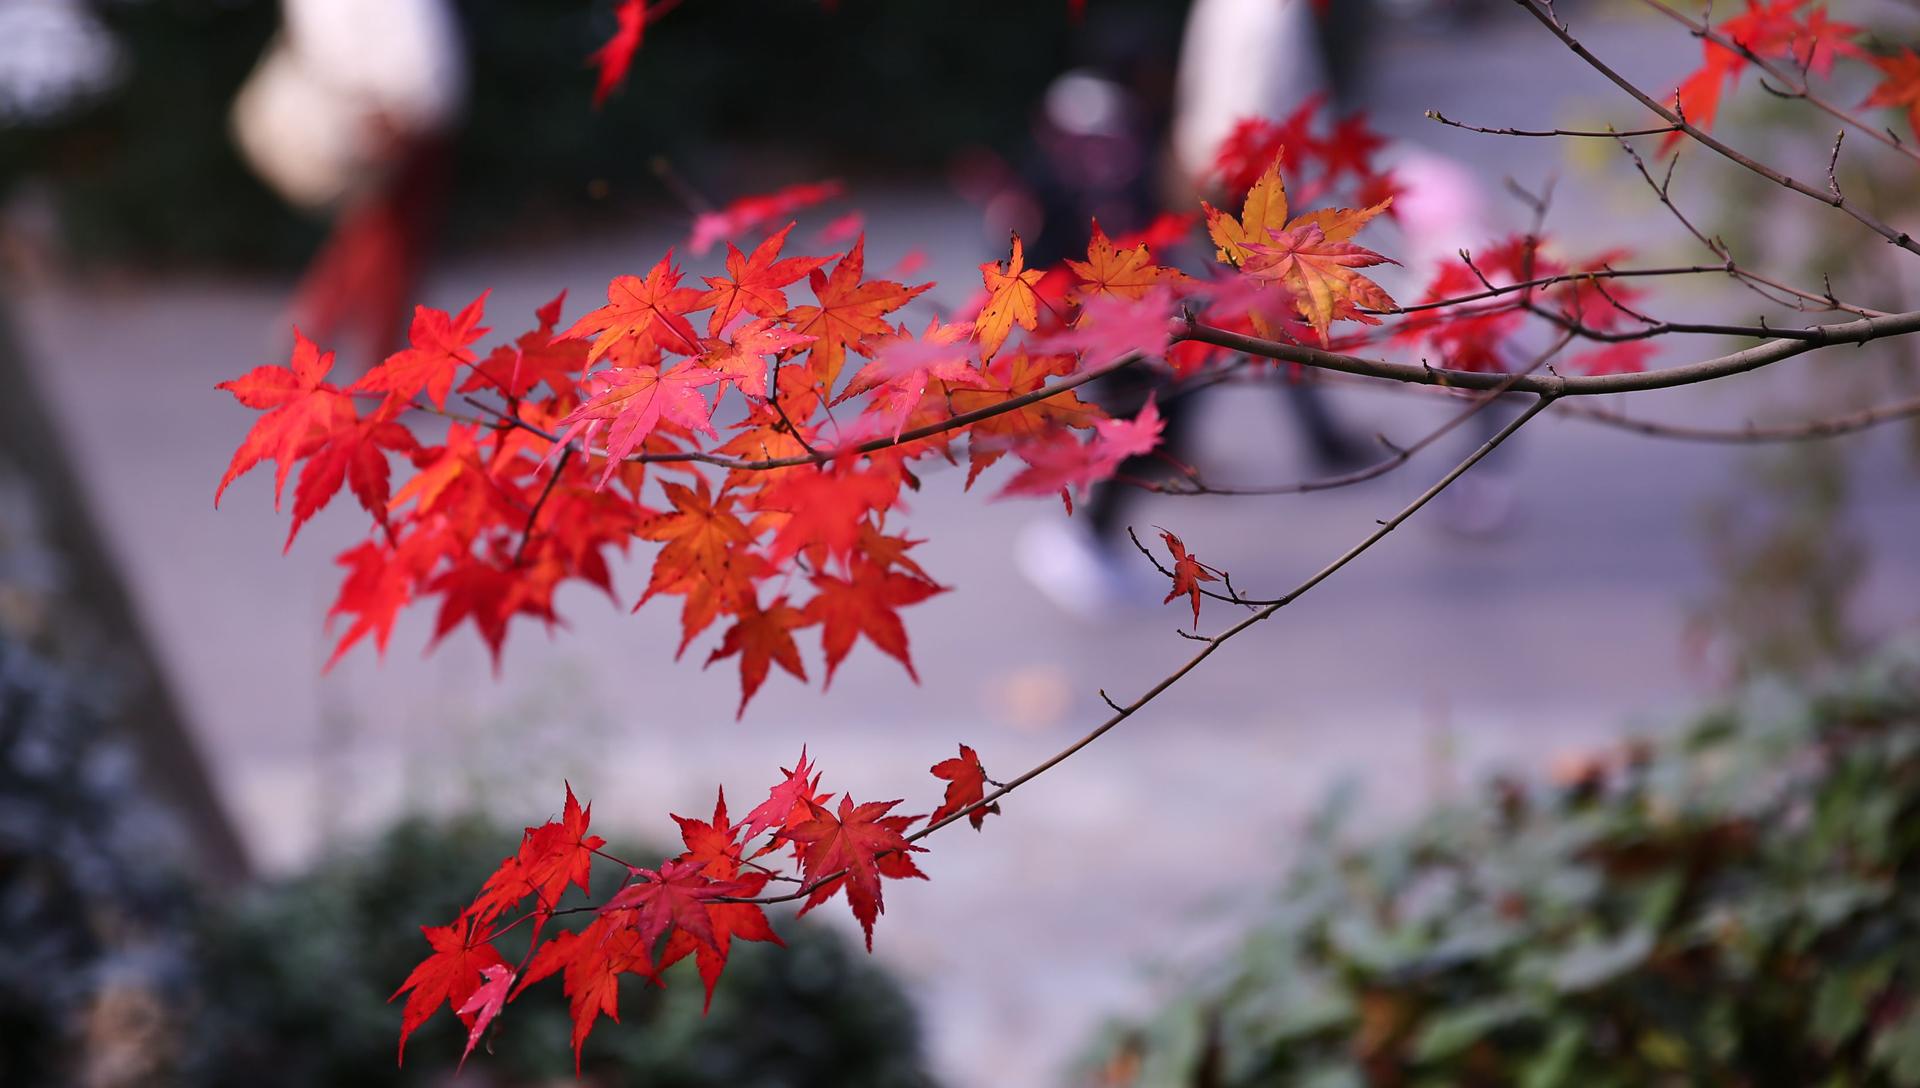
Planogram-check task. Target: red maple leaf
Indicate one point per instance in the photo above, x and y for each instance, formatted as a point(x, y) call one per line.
point(742, 360)
point(1899, 84)
point(301, 407)
point(449, 976)
point(551, 856)
point(1188, 573)
point(849, 311)
point(615, 56)
point(438, 349)
point(865, 603)
point(713, 845)
point(762, 638)
point(787, 800)
point(860, 843)
point(592, 962)
point(513, 370)
point(355, 454)
point(903, 369)
point(630, 402)
point(642, 315)
point(825, 509)
point(729, 920)
point(753, 283)
point(674, 896)
point(966, 784)
point(1773, 28)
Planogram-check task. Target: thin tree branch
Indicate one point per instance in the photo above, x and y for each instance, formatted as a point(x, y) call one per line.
point(1267, 611)
point(1753, 358)
point(1544, 14)
point(1794, 87)
point(1811, 430)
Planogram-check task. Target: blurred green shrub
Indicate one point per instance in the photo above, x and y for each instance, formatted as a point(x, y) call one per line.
point(295, 980)
point(1739, 905)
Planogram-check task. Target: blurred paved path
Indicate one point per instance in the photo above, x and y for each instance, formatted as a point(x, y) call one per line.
point(1431, 658)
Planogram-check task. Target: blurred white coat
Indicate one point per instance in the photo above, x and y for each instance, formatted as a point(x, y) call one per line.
point(344, 87)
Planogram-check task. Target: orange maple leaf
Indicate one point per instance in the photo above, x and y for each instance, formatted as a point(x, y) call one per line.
point(1011, 376)
point(1011, 299)
point(1120, 272)
point(1310, 254)
point(642, 315)
point(753, 283)
point(849, 311)
point(1321, 274)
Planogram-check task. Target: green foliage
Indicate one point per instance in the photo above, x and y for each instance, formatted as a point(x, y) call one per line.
point(296, 980)
point(1738, 905)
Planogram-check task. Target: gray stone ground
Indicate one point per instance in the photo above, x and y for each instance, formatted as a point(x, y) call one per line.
point(1431, 659)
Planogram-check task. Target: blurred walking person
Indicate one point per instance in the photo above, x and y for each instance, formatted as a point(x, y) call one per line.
point(351, 113)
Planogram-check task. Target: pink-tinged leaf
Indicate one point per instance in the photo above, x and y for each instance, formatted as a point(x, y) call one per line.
point(675, 896)
point(742, 359)
point(903, 367)
point(449, 976)
point(631, 401)
point(484, 1005)
point(1110, 328)
point(792, 792)
point(752, 212)
point(1060, 463)
point(842, 230)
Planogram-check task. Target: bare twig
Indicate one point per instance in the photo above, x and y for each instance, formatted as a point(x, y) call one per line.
point(1543, 12)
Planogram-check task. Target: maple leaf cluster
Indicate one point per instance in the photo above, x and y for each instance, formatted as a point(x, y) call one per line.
point(555, 451)
point(692, 905)
point(1794, 30)
point(1324, 155)
point(1483, 334)
point(1802, 35)
point(757, 428)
